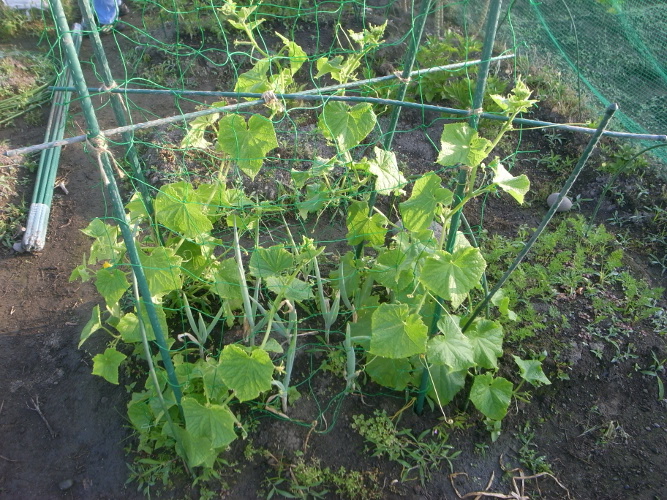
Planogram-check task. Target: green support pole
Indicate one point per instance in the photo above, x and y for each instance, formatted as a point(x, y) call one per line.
point(408, 64)
point(478, 99)
point(34, 238)
point(116, 103)
point(104, 159)
point(550, 213)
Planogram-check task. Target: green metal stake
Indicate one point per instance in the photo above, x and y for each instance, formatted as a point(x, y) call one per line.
point(34, 237)
point(478, 99)
point(408, 64)
point(116, 103)
point(566, 188)
point(103, 156)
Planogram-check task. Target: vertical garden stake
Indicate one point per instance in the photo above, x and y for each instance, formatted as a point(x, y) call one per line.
point(117, 104)
point(550, 213)
point(478, 99)
point(99, 143)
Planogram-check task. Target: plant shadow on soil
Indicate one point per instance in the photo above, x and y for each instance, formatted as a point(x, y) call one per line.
point(603, 431)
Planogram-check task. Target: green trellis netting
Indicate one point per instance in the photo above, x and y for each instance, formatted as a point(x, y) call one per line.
point(219, 245)
point(617, 49)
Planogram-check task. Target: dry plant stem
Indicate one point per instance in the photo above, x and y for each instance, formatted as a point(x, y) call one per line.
point(35, 407)
point(8, 459)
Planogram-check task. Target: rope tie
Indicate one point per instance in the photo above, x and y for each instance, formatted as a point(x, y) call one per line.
point(104, 89)
point(98, 145)
point(272, 101)
point(399, 75)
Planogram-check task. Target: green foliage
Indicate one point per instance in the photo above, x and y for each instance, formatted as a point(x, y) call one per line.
point(455, 87)
point(417, 455)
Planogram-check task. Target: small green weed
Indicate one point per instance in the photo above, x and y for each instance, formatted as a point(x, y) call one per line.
point(529, 455)
point(308, 479)
point(416, 454)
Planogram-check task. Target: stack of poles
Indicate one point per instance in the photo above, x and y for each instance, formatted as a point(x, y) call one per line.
point(34, 238)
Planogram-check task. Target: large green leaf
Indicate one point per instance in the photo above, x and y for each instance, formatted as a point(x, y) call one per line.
point(531, 371)
point(451, 348)
point(129, 328)
point(247, 143)
point(213, 422)
point(487, 340)
point(393, 269)
point(93, 324)
point(177, 208)
point(214, 388)
point(106, 364)
point(516, 187)
point(247, 375)
point(140, 413)
point(228, 281)
point(162, 269)
point(417, 212)
point(198, 450)
point(255, 79)
point(362, 227)
point(460, 144)
point(392, 373)
point(106, 245)
point(111, 284)
point(270, 261)
point(445, 383)
point(346, 126)
point(293, 289)
point(452, 276)
point(491, 395)
point(395, 333)
point(385, 168)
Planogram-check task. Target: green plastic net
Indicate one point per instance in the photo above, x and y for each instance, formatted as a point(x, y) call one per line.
point(615, 50)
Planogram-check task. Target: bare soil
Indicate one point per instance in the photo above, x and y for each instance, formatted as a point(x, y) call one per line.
point(603, 431)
